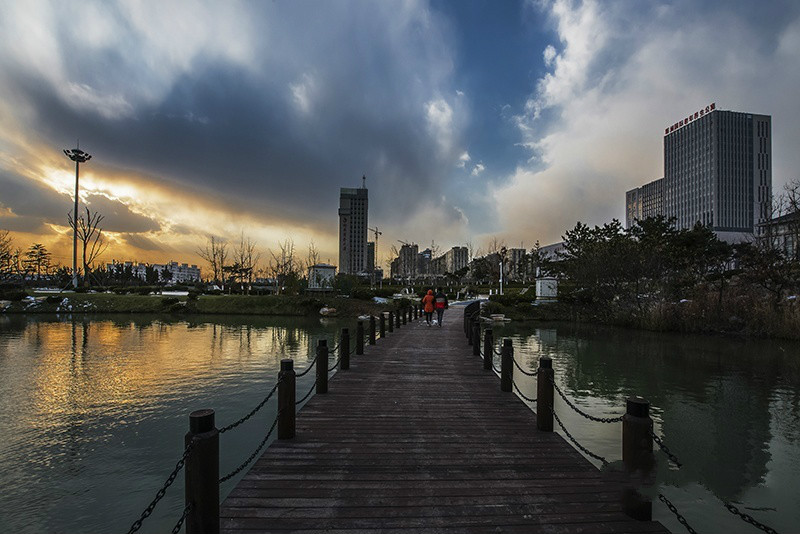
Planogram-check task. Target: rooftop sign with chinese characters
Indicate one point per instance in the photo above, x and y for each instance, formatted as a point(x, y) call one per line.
point(689, 118)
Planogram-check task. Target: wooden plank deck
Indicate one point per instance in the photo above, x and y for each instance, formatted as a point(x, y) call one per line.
point(417, 437)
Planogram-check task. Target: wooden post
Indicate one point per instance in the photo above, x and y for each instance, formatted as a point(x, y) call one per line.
point(476, 338)
point(202, 474)
point(344, 350)
point(416, 312)
point(322, 366)
point(287, 394)
point(638, 457)
point(544, 394)
point(391, 321)
point(360, 338)
point(404, 313)
point(410, 311)
point(506, 365)
point(371, 329)
point(397, 319)
point(488, 348)
point(383, 325)
point(470, 330)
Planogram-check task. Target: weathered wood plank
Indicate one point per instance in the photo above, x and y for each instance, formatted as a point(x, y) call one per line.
point(417, 437)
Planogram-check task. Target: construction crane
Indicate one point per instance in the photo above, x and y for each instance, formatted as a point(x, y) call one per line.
point(375, 260)
point(403, 242)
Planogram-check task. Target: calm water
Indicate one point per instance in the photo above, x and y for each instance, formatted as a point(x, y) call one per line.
point(93, 412)
point(729, 409)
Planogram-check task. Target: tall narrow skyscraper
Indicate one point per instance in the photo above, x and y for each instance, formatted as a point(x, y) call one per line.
point(353, 207)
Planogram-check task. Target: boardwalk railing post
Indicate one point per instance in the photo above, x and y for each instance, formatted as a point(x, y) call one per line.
point(344, 349)
point(371, 329)
point(637, 455)
point(506, 365)
point(287, 393)
point(488, 348)
point(322, 366)
point(391, 321)
point(202, 474)
point(382, 318)
point(470, 330)
point(360, 338)
point(416, 312)
point(544, 394)
point(476, 338)
point(404, 313)
point(397, 319)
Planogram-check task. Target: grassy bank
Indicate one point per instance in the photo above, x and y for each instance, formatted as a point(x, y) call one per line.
point(741, 316)
point(205, 304)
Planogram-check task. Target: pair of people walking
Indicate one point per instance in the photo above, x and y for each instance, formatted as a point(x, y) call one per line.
point(437, 302)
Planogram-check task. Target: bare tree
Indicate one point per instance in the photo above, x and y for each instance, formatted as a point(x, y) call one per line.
point(283, 264)
point(246, 257)
point(90, 235)
point(6, 255)
point(215, 253)
point(313, 255)
point(470, 250)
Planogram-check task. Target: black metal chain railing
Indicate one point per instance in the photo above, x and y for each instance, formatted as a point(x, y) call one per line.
point(521, 370)
point(521, 394)
point(252, 456)
point(163, 490)
point(335, 364)
point(253, 411)
point(575, 441)
point(494, 367)
point(310, 366)
point(307, 395)
point(581, 412)
point(749, 519)
point(676, 513)
point(665, 449)
point(179, 524)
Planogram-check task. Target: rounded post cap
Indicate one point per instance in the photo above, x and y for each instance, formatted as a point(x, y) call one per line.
point(287, 364)
point(487, 331)
point(201, 421)
point(345, 331)
point(360, 323)
point(322, 343)
point(637, 406)
point(545, 362)
point(507, 342)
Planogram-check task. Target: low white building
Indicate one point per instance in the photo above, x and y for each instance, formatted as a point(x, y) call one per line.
point(321, 277)
point(181, 272)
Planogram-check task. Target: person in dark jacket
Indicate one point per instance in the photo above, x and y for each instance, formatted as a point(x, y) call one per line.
point(441, 304)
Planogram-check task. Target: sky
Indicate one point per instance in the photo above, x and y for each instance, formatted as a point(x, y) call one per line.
point(472, 120)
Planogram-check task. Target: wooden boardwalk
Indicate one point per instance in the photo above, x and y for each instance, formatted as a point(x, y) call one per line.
point(417, 437)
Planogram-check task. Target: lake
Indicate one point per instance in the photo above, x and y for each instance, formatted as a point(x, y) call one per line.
point(94, 409)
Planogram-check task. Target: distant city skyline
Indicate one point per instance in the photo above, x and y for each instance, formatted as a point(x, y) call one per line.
point(472, 121)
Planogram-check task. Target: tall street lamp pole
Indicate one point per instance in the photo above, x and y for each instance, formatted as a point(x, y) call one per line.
point(78, 156)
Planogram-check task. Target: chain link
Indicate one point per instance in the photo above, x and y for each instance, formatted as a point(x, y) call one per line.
point(252, 456)
point(253, 411)
point(570, 436)
point(314, 385)
point(681, 519)
point(521, 370)
point(665, 449)
point(161, 492)
point(581, 412)
point(749, 519)
point(336, 364)
point(496, 370)
point(521, 394)
point(310, 366)
point(179, 524)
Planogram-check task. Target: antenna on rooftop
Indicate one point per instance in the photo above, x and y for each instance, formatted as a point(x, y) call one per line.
point(364, 182)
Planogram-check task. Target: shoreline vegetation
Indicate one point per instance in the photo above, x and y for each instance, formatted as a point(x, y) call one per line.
point(273, 305)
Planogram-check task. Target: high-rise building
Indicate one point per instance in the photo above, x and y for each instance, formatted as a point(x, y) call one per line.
point(405, 264)
point(456, 258)
point(370, 256)
point(353, 207)
point(645, 201)
point(717, 171)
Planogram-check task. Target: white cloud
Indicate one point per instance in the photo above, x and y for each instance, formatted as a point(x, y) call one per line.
point(463, 159)
point(477, 169)
point(440, 123)
point(595, 121)
point(549, 55)
point(302, 93)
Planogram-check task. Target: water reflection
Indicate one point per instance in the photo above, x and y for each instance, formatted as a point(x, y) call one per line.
point(94, 410)
point(729, 408)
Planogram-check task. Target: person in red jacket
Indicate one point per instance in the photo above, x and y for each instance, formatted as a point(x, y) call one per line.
point(427, 302)
point(440, 304)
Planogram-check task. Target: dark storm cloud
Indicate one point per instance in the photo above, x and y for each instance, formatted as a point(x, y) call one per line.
point(279, 137)
point(117, 217)
point(33, 201)
point(141, 242)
